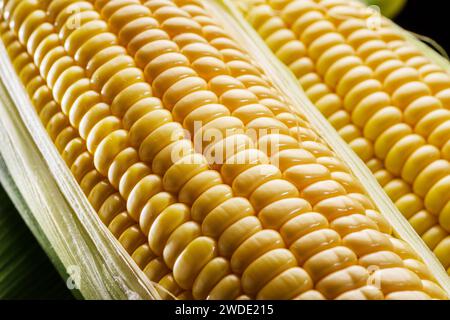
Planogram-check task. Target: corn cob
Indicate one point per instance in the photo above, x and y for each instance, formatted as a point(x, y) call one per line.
point(121, 94)
point(385, 98)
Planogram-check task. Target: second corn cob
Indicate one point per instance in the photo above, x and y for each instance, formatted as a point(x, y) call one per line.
point(385, 98)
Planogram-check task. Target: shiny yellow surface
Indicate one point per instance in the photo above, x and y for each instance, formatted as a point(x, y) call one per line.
point(384, 97)
point(285, 222)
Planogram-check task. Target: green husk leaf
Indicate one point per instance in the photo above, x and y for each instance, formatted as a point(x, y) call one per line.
point(25, 270)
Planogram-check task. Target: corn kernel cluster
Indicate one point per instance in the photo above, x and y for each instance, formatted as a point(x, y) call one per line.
point(387, 100)
point(121, 87)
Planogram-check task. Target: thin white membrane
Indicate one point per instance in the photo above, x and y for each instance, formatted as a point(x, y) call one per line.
point(74, 231)
point(231, 18)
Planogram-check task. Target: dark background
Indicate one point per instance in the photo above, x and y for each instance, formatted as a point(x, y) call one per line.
point(430, 18)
